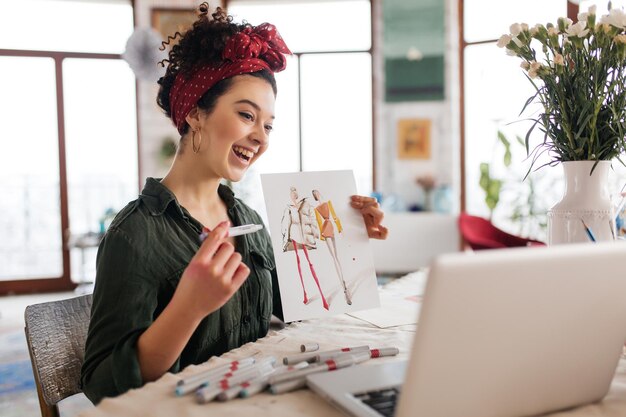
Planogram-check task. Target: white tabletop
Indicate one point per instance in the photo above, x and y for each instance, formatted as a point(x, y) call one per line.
point(157, 399)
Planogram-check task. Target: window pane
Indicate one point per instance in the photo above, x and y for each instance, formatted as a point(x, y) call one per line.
point(30, 225)
point(284, 150)
point(66, 25)
point(488, 109)
point(488, 19)
point(312, 26)
point(101, 142)
point(337, 114)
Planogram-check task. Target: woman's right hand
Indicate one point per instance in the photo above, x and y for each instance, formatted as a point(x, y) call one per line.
point(213, 275)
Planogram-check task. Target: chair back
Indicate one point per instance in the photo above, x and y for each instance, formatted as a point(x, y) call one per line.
point(56, 333)
point(480, 233)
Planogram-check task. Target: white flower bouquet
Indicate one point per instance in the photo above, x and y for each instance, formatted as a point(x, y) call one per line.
point(580, 81)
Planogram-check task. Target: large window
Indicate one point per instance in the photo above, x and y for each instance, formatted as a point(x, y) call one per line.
point(324, 103)
point(68, 134)
point(495, 91)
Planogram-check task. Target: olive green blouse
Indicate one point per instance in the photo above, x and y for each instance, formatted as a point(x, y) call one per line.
point(139, 263)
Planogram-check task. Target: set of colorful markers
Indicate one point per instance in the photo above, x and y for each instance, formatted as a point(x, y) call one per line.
point(249, 376)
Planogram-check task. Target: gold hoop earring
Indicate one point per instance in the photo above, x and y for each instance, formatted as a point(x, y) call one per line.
point(193, 141)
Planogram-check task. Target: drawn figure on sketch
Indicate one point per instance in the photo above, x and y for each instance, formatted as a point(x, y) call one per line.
point(298, 227)
point(323, 211)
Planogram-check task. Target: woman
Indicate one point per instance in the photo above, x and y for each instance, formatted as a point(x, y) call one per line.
point(162, 299)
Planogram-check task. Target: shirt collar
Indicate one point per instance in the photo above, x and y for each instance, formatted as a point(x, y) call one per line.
point(157, 197)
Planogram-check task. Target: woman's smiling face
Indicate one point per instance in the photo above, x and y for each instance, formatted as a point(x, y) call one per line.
point(236, 132)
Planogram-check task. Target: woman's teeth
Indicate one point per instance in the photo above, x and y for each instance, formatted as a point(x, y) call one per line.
point(243, 153)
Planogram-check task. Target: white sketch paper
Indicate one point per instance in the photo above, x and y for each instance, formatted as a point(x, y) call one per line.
point(323, 258)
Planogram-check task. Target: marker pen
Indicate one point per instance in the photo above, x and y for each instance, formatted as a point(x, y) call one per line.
point(236, 231)
point(374, 353)
point(309, 347)
point(256, 385)
point(193, 382)
point(288, 386)
point(218, 370)
point(311, 356)
point(329, 365)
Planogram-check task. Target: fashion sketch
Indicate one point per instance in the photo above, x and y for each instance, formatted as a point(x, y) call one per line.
point(323, 212)
point(320, 228)
point(300, 231)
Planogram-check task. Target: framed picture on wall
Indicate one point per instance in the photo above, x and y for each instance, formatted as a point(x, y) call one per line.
point(414, 138)
point(169, 21)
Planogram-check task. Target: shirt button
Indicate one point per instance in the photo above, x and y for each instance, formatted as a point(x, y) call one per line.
point(246, 319)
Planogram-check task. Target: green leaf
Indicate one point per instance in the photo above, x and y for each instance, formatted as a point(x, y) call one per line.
point(494, 187)
point(485, 179)
point(507, 157)
point(493, 194)
point(507, 148)
point(503, 139)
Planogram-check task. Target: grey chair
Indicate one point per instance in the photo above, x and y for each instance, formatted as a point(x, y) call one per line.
point(56, 332)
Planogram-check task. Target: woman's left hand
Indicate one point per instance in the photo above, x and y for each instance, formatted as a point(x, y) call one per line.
point(372, 214)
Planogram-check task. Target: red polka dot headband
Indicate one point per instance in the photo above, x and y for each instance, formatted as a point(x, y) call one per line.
point(251, 50)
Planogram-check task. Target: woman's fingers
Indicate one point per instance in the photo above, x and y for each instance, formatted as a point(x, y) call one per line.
point(368, 207)
point(214, 274)
point(225, 263)
point(380, 232)
point(222, 256)
point(231, 265)
point(376, 230)
point(372, 215)
point(359, 201)
point(240, 275)
point(212, 243)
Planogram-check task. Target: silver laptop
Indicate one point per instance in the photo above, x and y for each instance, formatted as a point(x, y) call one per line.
point(502, 333)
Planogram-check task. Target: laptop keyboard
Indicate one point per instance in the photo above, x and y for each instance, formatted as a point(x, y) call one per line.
point(382, 400)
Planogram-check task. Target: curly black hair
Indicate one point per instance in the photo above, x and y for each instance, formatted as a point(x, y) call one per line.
point(202, 45)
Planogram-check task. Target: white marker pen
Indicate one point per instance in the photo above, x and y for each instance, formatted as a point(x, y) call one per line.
point(237, 231)
point(244, 230)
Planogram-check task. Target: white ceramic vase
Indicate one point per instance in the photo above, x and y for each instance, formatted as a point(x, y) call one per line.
point(585, 212)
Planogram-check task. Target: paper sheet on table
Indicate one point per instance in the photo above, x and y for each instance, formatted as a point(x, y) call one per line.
point(400, 304)
point(395, 310)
